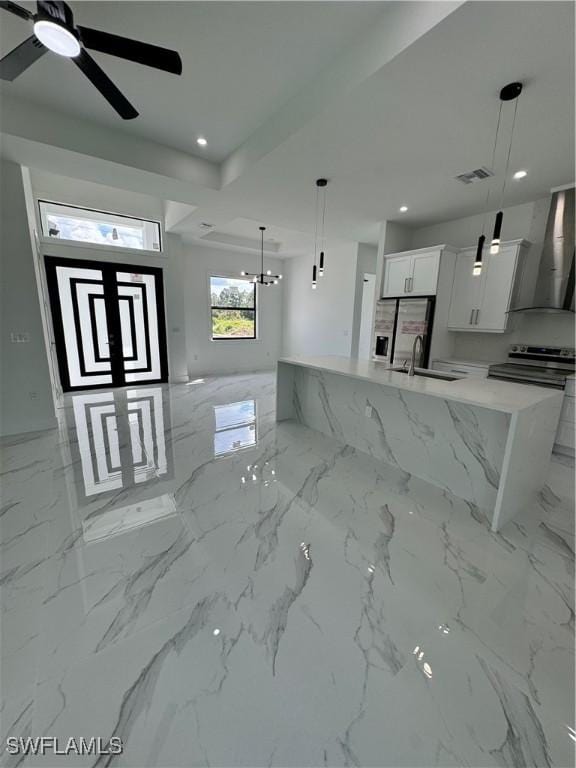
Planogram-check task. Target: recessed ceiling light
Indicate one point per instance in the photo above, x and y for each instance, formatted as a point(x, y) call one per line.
point(57, 38)
point(520, 174)
point(201, 141)
point(403, 208)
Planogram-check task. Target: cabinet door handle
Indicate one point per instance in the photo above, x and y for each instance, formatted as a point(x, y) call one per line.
point(471, 317)
point(410, 281)
point(476, 317)
point(405, 285)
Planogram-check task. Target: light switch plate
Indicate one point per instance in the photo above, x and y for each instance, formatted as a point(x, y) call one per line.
point(20, 338)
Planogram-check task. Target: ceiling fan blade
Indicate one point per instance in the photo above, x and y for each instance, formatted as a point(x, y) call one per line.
point(17, 10)
point(23, 56)
point(133, 50)
point(100, 79)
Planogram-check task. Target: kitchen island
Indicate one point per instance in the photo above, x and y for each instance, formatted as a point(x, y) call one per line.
point(486, 441)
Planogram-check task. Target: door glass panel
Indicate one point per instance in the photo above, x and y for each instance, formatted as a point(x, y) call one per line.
point(139, 292)
point(85, 329)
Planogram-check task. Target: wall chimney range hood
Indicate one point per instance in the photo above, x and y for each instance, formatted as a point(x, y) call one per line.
point(554, 290)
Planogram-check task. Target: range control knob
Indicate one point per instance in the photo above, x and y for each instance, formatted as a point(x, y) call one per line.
point(514, 348)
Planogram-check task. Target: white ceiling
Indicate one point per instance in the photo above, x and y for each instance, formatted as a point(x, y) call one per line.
point(241, 62)
point(429, 115)
point(399, 136)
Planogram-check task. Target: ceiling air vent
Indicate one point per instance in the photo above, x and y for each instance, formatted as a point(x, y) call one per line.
point(477, 175)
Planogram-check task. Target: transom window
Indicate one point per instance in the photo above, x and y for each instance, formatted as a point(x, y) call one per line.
point(233, 308)
point(82, 225)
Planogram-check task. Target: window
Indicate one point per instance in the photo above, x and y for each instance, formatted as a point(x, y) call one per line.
point(235, 427)
point(233, 308)
point(82, 225)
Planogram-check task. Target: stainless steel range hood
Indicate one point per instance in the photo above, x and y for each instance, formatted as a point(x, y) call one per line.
point(555, 283)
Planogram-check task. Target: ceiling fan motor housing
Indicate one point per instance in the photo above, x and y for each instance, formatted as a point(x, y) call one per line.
point(57, 13)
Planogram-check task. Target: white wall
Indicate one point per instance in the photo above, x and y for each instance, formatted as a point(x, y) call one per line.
point(205, 356)
point(63, 189)
point(26, 397)
point(465, 232)
point(526, 221)
point(320, 322)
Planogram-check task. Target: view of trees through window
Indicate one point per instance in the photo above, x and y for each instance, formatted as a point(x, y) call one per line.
point(82, 225)
point(233, 303)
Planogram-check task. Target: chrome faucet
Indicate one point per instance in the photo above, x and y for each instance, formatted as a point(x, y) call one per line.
point(420, 339)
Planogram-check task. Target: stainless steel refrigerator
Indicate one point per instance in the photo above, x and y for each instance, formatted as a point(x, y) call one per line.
point(397, 323)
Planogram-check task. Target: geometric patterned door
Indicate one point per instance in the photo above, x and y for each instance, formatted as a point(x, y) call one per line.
point(109, 324)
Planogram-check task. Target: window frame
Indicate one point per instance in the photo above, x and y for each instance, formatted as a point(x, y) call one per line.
point(102, 246)
point(212, 307)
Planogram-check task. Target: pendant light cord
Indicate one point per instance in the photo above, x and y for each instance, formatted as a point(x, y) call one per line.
point(323, 221)
point(492, 166)
point(509, 152)
point(262, 253)
point(316, 217)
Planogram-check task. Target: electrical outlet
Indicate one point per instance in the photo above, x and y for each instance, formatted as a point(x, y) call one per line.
point(368, 411)
point(33, 395)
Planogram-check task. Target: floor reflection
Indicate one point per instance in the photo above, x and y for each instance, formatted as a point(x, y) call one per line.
point(120, 439)
point(234, 427)
point(121, 520)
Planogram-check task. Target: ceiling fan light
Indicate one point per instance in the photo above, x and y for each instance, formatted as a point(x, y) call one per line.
point(57, 38)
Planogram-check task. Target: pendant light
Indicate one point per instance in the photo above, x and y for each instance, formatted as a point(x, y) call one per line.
point(319, 232)
point(510, 92)
point(264, 278)
point(477, 269)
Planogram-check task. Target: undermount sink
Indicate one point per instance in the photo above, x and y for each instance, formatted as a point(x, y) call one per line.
point(429, 374)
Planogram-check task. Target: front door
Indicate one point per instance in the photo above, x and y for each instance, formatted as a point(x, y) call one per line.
point(109, 323)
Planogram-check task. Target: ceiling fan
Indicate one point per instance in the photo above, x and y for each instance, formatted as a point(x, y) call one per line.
point(54, 30)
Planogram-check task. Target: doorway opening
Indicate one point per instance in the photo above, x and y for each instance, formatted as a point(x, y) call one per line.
point(367, 312)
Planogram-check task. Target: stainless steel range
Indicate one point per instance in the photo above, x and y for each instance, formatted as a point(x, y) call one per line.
point(543, 366)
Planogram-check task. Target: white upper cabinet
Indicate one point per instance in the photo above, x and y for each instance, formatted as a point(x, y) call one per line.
point(396, 275)
point(413, 273)
point(466, 292)
point(425, 272)
point(481, 302)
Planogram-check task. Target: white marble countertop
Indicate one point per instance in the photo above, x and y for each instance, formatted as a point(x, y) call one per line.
point(494, 394)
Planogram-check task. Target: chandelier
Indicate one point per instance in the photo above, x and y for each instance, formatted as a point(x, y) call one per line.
point(264, 278)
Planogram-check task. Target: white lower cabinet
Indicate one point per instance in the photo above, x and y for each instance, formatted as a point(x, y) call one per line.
point(481, 302)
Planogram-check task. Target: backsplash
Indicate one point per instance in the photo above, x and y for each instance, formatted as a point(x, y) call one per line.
point(555, 330)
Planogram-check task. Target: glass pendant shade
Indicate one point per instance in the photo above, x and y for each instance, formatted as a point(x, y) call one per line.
point(321, 264)
point(314, 281)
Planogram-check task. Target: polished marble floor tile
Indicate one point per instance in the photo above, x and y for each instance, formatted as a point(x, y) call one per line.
point(216, 589)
